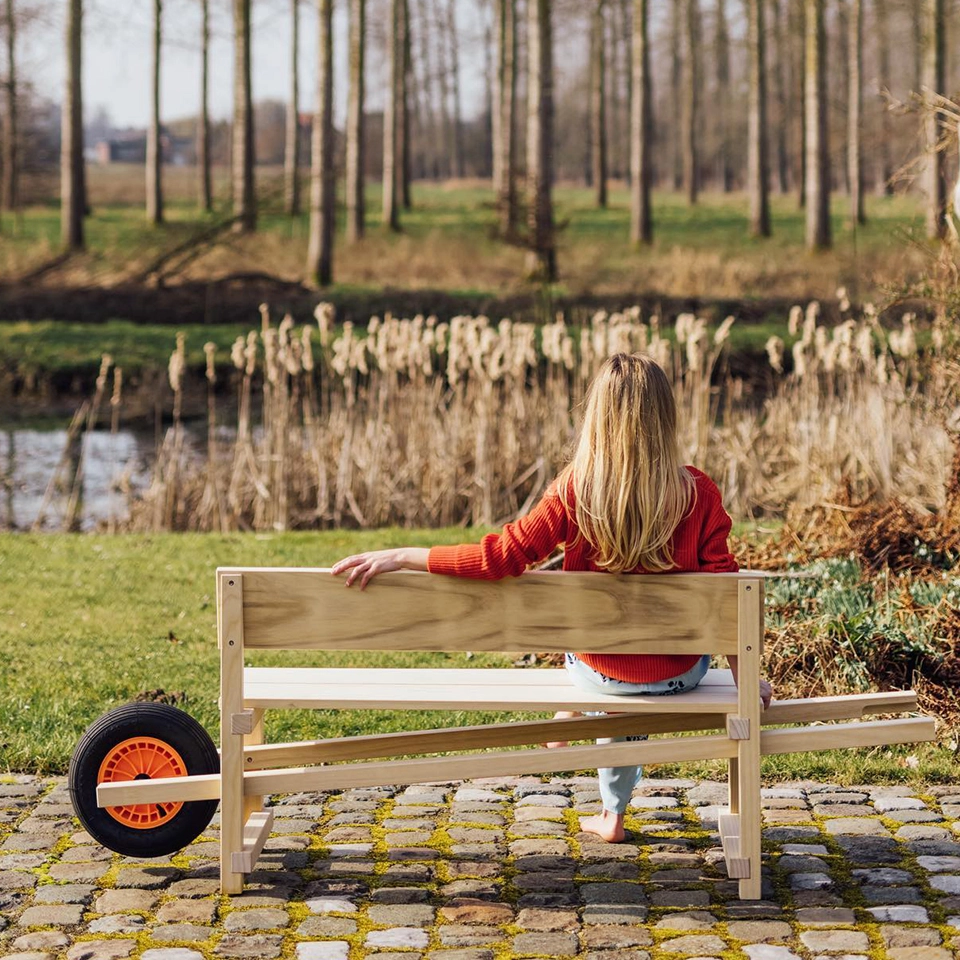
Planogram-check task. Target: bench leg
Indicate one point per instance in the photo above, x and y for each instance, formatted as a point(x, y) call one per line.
point(253, 739)
point(745, 772)
point(733, 785)
point(748, 795)
point(230, 635)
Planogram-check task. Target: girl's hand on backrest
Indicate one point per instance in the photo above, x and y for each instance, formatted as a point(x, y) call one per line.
point(366, 566)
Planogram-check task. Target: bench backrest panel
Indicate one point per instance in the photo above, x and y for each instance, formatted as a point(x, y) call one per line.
point(308, 608)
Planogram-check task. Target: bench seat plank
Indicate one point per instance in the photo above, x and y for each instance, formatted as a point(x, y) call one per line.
point(449, 688)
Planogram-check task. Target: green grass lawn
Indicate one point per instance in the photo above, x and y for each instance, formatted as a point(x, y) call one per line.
point(48, 346)
point(88, 622)
point(448, 242)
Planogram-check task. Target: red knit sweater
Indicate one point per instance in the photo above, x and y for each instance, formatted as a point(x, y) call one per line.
point(699, 544)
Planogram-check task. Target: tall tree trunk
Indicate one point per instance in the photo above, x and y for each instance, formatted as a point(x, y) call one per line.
point(505, 102)
point(691, 106)
point(392, 118)
point(403, 126)
point(641, 129)
point(884, 169)
point(291, 152)
point(497, 94)
point(356, 202)
point(417, 168)
point(244, 201)
point(817, 141)
point(205, 182)
point(758, 175)
point(722, 103)
point(457, 138)
point(918, 12)
point(780, 94)
point(796, 20)
point(429, 111)
point(443, 84)
point(934, 180)
point(543, 255)
point(72, 200)
point(11, 159)
point(676, 92)
point(623, 162)
point(854, 108)
point(838, 77)
point(598, 112)
point(487, 96)
point(154, 147)
point(84, 193)
point(322, 194)
point(610, 43)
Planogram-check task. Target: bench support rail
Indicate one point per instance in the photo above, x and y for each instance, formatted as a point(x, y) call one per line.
point(255, 833)
point(260, 783)
point(738, 867)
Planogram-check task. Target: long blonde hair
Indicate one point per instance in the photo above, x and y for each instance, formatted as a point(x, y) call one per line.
point(629, 488)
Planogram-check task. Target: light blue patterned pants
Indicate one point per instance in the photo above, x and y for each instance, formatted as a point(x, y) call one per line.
point(617, 783)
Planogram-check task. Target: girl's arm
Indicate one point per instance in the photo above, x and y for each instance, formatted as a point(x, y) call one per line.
point(520, 544)
point(368, 565)
point(766, 690)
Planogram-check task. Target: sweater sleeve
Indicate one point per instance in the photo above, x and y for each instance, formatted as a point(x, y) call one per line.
point(507, 554)
point(713, 550)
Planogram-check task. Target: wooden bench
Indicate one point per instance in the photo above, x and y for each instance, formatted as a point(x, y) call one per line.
point(301, 609)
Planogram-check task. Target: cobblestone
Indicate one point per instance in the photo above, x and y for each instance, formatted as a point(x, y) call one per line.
point(351, 869)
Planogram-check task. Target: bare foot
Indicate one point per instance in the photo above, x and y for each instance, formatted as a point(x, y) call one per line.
point(562, 715)
point(607, 825)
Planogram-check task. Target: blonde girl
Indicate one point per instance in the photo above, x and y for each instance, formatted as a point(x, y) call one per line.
point(624, 504)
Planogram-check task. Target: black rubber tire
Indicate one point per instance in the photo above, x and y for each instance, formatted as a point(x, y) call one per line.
point(166, 723)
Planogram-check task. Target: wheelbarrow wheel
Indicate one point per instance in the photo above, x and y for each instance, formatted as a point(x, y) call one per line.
point(142, 741)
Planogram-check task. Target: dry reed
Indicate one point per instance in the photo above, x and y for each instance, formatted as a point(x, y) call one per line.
point(421, 423)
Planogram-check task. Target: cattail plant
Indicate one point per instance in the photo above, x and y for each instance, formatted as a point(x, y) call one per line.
point(418, 422)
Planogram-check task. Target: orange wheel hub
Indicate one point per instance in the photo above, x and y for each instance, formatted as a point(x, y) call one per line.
point(142, 758)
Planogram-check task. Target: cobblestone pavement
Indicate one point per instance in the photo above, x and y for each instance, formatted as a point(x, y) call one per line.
point(493, 869)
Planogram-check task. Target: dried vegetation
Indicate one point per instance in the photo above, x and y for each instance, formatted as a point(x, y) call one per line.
point(418, 423)
point(413, 422)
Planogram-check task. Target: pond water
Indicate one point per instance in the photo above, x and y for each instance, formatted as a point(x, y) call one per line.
point(42, 481)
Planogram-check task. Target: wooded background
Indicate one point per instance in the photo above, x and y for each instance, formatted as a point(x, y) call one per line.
point(802, 96)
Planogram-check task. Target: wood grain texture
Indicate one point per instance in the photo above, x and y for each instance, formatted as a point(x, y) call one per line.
point(419, 689)
point(256, 830)
point(838, 736)
point(242, 722)
point(309, 608)
point(738, 867)
point(749, 644)
point(204, 786)
point(738, 728)
point(253, 804)
point(231, 641)
point(514, 763)
point(838, 708)
point(481, 737)
point(798, 740)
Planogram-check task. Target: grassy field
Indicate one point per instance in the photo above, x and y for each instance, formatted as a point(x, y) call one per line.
point(447, 242)
point(47, 346)
point(87, 623)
